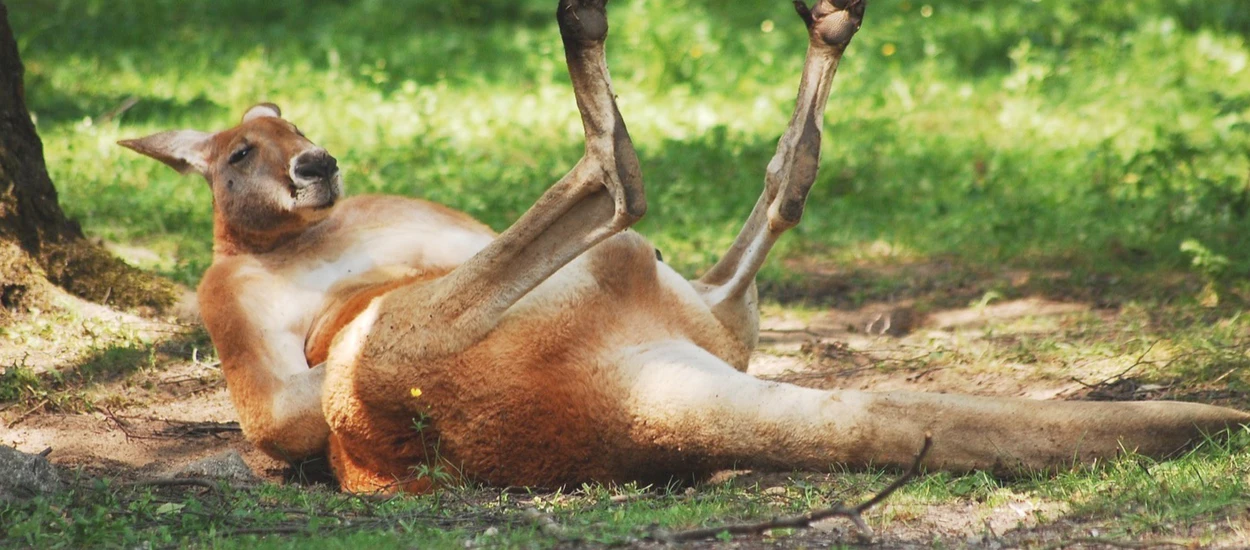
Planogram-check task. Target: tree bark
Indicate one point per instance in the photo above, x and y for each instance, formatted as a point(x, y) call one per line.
point(36, 238)
point(29, 212)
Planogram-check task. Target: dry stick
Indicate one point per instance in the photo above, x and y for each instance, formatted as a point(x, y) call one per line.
point(1112, 542)
point(212, 484)
point(175, 428)
point(29, 412)
point(124, 426)
point(1141, 360)
point(209, 379)
point(1222, 376)
point(1162, 367)
point(179, 428)
point(804, 521)
point(274, 530)
point(807, 331)
point(178, 482)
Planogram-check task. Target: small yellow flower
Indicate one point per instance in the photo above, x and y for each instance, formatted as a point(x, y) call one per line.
point(888, 50)
point(416, 392)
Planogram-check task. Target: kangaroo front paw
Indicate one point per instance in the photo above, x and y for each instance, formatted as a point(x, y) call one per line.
point(832, 22)
point(582, 21)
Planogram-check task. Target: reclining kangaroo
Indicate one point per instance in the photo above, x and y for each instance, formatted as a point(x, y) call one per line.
point(561, 351)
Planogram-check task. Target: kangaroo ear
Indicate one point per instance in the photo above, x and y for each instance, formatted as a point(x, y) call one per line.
point(183, 150)
point(262, 110)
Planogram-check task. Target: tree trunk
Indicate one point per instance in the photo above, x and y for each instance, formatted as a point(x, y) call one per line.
point(29, 212)
point(36, 238)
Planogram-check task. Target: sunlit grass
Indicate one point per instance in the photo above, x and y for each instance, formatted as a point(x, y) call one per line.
point(1129, 497)
point(962, 131)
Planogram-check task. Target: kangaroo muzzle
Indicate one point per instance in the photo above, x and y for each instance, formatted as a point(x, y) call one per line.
point(312, 167)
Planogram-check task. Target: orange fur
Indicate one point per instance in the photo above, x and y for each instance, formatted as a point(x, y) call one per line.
point(534, 403)
point(347, 300)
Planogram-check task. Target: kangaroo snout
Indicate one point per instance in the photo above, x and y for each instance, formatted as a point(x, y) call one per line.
point(313, 167)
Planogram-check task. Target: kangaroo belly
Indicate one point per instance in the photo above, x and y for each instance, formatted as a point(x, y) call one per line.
point(349, 299)
point(539, 401)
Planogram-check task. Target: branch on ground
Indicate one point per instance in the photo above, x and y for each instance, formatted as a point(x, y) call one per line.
point(804, 521)
point(1095, 542)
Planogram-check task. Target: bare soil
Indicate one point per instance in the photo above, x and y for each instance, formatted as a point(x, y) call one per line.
point(170, 411)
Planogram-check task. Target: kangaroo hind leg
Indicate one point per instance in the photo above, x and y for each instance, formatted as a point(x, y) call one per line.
point(720, 418)
point(601, 196)
point(728, 288)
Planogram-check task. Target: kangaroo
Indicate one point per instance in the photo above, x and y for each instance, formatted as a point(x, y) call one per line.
point(403, 338)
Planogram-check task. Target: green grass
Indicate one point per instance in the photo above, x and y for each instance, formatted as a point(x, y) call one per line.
point(1140, 498)
point(1103, 147)
point(1020, 133)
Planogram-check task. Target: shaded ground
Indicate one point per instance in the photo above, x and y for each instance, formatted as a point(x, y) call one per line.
point(133, 398)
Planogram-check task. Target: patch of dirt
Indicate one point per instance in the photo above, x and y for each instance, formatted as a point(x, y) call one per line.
point(152, 418)
point(143, 441)
point(889, 347)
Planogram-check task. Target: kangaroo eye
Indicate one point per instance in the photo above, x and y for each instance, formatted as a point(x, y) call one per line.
point(240, 154)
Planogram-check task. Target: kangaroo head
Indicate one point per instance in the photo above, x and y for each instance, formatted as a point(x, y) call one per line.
point(268, 180)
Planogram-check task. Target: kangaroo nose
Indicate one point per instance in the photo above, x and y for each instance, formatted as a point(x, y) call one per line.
point(314, 166)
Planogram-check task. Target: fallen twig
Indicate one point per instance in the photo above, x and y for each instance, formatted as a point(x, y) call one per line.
point(805, 331)
point(42, 403)
point(854, 514)
point(198, 429)
point(203, 379)
point(178, 482)
point(1104, 541)
point(174, 429)
point(1141, 360)
point(124, 426)
point(1221, 377)
point(273, 530)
